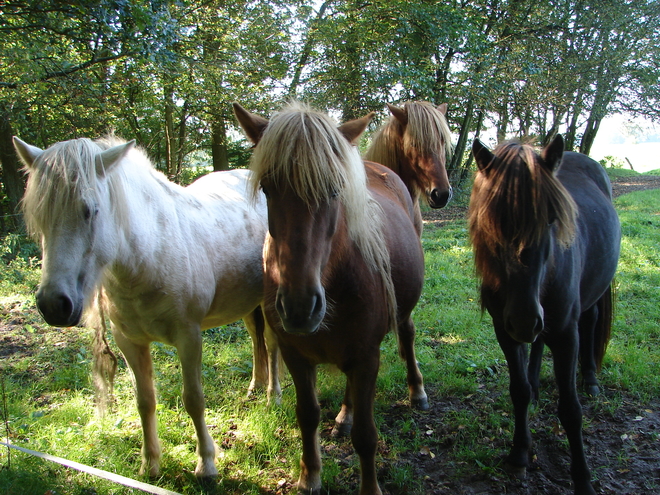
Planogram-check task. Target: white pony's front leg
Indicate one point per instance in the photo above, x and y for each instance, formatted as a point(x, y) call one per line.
point(138, 358)
point(190, 354)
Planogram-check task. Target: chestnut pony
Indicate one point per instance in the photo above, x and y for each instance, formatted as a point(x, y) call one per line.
point(164, 261)
point(416, 143)
point(343, 264)
point(546, 244)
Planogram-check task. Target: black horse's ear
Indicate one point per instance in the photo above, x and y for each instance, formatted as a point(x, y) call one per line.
point(253, 125)
point(482, 155)
point(353, 129)
point(553, 153)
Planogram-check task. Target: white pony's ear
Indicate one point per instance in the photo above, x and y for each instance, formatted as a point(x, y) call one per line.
point(442, 108)
point(106, 160)
point(26, 152)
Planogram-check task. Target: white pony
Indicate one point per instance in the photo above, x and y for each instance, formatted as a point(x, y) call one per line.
point(166, 261)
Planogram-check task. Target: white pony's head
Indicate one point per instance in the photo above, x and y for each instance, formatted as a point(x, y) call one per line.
point(67, 207)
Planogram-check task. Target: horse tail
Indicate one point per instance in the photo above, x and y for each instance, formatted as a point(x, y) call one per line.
point(261, 353)
point(104, 361)
point(603, 329)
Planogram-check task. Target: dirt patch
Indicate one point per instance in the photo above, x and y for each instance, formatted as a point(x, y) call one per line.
point(621, 442)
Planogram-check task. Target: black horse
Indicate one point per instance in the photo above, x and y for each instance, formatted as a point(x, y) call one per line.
point(546, 242)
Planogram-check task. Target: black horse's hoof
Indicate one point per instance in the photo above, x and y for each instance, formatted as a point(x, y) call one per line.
point(591, 390)
point(518, 472)
point(308, 491)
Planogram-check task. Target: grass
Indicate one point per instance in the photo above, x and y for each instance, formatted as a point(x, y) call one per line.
point(46, 376)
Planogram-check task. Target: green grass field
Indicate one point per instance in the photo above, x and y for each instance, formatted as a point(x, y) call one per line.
point(49, 401)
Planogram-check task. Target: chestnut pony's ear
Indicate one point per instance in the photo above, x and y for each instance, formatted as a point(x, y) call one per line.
point(253, 125)
point(553, 153)
point(353, 129)
point(399, 113)
point(482, 155)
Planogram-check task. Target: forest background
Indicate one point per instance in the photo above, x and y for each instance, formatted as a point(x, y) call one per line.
point(165, 72)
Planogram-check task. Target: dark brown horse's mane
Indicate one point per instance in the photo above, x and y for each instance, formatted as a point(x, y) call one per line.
point(513, 201)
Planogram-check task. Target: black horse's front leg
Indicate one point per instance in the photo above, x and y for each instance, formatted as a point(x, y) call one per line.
point(565, 355)
point(586, 326)
point(521, 396)
point(534, 368)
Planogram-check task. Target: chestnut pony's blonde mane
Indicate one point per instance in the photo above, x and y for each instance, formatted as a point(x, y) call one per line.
point(513, 201)
point(304, 149)
point(425, 130)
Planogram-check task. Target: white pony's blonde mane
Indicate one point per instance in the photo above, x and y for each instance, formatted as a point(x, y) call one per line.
point(426, 128)
point(64, 177)
point(303, 147)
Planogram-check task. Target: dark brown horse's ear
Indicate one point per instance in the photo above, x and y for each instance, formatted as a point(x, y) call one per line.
point(353, 129)
point(253, 125)
point(399, 113)
point(552, 154)
point(482, 155)
point(442, 108)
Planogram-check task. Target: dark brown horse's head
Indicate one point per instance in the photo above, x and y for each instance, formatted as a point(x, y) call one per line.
point(519, 211)
point(416, 143)
point(315, 184)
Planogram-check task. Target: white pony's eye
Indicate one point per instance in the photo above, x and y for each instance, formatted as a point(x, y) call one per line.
point(89, 211)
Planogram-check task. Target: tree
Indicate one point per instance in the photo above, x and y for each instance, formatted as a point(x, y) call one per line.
point(51, 54)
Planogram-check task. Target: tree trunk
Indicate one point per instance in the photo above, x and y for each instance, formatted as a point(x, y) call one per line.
point(181, 139)
point(503, 123)
point(307, 49)
point(459, 150)
point(465, 169)
point(550, 135)
point(589, 135)
point(442, 76)
point(571, 129)
point(170, 145)
point(11, 176)
point(219, 145)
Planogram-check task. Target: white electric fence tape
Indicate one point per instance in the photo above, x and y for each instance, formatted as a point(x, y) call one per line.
point(122, 480)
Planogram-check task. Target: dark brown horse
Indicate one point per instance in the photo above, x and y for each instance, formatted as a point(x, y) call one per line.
point(546, 244)
point(415, 143)
point(343, 264)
